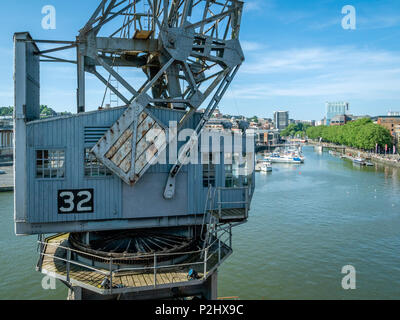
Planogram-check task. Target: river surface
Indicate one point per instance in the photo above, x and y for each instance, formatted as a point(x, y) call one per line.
point(306, 223)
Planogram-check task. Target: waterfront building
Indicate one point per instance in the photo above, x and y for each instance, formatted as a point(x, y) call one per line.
point(334, 109)
point(393, 113)
point(6, 138)
point(6, 134)
point(397, 136)
point(340, 120)
point(281, 119)
point(389, 122)
point(309, 122)
point(217, 113)
point(253, 125)
point(354, 118)
point(6, 121)
point(268, 137)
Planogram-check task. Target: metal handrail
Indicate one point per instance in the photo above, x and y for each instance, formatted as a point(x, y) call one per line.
point(156, 267)
point(209, 191)
point(122, 258)
point(232, 202)
point(209, 252)
point(232, 188)
point(246, 202)
point(74, 262)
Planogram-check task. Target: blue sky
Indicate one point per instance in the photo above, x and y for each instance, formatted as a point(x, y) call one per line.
point(298, 56)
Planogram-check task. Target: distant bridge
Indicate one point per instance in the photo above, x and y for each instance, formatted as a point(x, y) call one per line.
point(323, 145)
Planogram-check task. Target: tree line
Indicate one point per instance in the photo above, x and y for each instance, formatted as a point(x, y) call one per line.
point(6, 111)
point(295, 130)
point(361, 134)
point(45, 111)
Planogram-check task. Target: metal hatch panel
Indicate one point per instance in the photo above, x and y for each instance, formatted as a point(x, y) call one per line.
point(132, 144)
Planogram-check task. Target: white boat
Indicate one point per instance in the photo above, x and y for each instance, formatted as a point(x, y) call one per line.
point(266, 167)
point(276, 158)
point(360, 161)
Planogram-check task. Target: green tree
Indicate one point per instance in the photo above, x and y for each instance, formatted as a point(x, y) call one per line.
point(45, 111)
point(6, 111)
point(295, 130)
point(361, 134)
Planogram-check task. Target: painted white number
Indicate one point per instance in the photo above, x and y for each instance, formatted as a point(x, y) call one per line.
point(85, 200)
point(69, 201)
point(75, 201)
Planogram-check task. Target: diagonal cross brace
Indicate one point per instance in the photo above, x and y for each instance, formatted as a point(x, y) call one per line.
point(169, 190)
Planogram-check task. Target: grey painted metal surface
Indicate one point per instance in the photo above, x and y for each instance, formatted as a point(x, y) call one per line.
point(190, 52)
point(185, 51)
point(114, 200)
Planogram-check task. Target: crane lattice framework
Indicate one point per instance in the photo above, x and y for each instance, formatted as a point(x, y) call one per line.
point(188, 49)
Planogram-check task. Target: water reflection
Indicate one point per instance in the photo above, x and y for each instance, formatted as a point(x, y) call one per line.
point(307, 222)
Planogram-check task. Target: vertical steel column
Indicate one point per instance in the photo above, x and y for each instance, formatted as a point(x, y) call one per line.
point(219, 203)
point(247, 190)
point(111, 276)
point(81, 82)
point(68, 264)
point(219, 250)
point(205, 263)
point(20, 102)
point(155, 270)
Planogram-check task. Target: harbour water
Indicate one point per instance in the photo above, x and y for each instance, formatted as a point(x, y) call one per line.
point(307, 222)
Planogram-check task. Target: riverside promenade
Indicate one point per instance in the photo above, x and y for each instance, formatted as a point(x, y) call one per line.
point(392, 160)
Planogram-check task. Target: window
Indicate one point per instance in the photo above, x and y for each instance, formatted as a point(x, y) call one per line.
point(248, 169)
point(208, 170)
point(93, 167)
point(231, 162)
point(50, 164)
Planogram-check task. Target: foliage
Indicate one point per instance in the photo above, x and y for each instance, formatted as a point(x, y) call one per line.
point(295, 130)
point(253, 119)
point(45, 111)
point(6, 111)
point(361, 134)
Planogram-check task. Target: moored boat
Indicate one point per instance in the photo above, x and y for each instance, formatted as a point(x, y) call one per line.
point(359, 160)
point(276, 158)
point(266, 167)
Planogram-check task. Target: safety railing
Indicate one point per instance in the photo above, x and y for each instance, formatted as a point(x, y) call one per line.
point(246, 202)
point(219, 248)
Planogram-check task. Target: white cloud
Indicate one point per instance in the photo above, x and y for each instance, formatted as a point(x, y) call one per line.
point(322, 59)
point(252, 6)
point(320, 72)
point(378, 21)
point(258, 5)
point(248, 46)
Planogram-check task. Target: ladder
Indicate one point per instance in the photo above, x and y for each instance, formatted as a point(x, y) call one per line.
point(114, 100)
point(146, 18)
point(211, 224)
